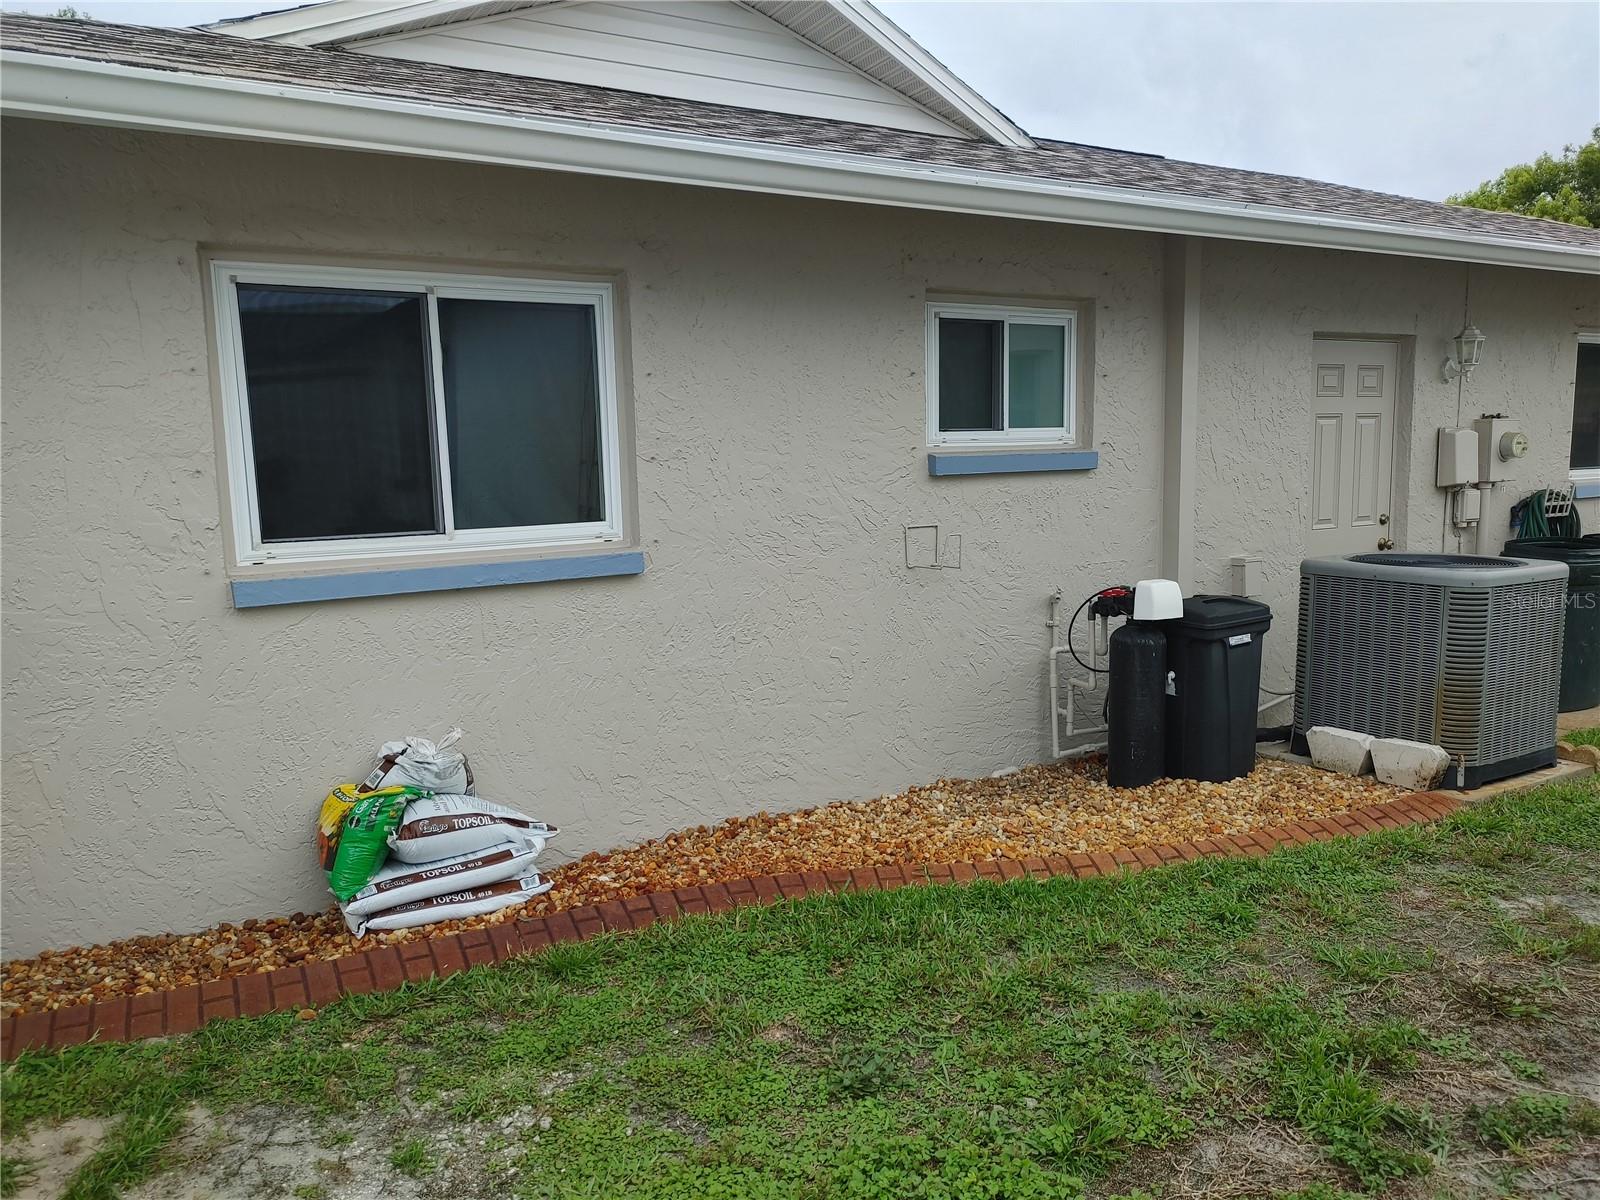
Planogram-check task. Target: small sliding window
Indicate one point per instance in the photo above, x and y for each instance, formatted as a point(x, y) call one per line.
point(1001, 376)
point(391, 413)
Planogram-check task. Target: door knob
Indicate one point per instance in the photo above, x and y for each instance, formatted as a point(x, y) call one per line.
point(1383, 518)
point(1385, 543)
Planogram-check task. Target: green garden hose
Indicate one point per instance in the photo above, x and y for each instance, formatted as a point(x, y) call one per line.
point(1530, 520)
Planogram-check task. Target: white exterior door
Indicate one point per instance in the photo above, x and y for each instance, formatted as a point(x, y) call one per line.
point(1352, 447)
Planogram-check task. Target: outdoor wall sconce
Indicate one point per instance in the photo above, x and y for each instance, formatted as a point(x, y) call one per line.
point(1468, 353)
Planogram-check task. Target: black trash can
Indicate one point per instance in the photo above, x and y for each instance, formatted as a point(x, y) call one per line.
point(1580, 647)
point(1214, 656)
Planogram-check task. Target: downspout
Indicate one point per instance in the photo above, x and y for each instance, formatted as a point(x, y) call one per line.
point(1181, 280)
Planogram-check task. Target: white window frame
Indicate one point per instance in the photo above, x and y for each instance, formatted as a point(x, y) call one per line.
point(1583, 475)
point(433, 286)
point(1066, 435)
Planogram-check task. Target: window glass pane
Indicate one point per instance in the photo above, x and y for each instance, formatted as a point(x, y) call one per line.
point(970, 374)
point(1038, 376)
point(1586, 409)
point(339, 423)
point(522, 410)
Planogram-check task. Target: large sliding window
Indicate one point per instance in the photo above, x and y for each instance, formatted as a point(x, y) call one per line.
point(1586, 413)
point(393, 413)
point(1001, 376)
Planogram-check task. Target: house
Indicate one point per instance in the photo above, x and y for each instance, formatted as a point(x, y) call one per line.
point(696, 402)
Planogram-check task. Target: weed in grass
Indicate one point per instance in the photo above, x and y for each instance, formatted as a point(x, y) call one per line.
point(1320, 1073)
point(310, 1191)
point(1101, 1124)
point(334, 1169)
point(1565, 937)
point(14, 1172)
point(1319, 1191)
point(864, 1072)
point(1500, 998)
point(1363, 964)
point(1515, 1125)
point(411, 1158)
point(1523, 1068)
point(1583, 941)
point(922, 1167)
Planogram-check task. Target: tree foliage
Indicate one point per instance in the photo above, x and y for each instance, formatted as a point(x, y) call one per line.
point(1559, 189)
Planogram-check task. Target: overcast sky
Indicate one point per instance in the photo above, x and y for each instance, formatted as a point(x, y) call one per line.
point(1424, 99)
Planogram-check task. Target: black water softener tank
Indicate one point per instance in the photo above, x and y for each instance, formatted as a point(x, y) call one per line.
point(1136, 720)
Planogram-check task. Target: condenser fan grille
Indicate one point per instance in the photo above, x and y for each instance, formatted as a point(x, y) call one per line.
point(1433, 560)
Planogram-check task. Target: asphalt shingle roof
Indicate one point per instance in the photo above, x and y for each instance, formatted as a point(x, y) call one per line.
point(198, 52)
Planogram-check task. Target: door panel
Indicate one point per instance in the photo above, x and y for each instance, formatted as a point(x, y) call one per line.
point(1352, 446)
point(1326, 434)
point(1366, 504)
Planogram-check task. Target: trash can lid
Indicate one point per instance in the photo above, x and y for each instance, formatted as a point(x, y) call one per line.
point(1566, 549)
point(1223, 612)
point(1580, 554)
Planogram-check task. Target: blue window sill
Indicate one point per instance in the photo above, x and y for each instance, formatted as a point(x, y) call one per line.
point(1586, 491)
point(303, 589)
point(1010, 462)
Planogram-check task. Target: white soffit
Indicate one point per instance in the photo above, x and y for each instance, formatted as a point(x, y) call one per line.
point(682, 48)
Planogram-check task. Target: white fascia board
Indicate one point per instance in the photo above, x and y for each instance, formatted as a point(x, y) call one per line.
point(950, 88)
point(67, 89)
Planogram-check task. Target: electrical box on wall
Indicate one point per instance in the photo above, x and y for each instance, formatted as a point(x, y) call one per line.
point(1458, 458)
point(1248, 575)
point(1500, 443)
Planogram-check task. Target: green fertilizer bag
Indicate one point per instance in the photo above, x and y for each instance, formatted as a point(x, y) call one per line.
point(364, 840)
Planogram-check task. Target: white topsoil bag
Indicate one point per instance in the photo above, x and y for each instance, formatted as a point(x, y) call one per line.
point(451, 906)
point(401, 882)
point(445, 826)
point(419, 763)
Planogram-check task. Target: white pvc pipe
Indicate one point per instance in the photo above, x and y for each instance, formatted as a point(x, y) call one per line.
point(1068, 710)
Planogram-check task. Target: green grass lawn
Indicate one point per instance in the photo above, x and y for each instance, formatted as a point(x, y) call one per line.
point(1415, 1013)
point(1582, 737)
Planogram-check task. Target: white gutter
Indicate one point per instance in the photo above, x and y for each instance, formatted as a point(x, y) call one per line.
point(69, 89)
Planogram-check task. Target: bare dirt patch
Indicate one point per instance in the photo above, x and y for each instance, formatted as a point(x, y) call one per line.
point(52, 1153)
point(1264, 1160)
point(266, 1153)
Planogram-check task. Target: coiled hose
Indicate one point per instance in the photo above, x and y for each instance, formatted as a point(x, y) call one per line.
point(1529, 519)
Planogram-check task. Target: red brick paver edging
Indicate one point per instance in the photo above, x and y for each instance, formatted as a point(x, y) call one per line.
point(316, 983)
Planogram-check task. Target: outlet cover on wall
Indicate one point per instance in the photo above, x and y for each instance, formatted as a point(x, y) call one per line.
point(924, 549)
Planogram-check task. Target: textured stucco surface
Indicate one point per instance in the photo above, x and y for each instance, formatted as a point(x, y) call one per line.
point(164, 753)
point(1262, 307)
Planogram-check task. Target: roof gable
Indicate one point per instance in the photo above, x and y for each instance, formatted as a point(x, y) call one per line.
point(836, 59)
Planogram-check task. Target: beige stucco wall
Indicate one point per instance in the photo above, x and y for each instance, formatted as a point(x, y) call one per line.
point(164, 753)
point(1261, 308)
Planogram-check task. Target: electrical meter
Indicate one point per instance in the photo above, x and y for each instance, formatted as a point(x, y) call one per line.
point(1500, 443)
point(1513, 445)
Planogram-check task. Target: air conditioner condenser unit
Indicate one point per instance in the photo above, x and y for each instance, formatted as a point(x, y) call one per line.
point(1458, 650)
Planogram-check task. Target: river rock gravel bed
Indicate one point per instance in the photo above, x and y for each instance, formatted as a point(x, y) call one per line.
point(1036, 811)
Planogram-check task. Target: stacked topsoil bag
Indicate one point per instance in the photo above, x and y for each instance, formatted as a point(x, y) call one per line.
point(411, 845)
